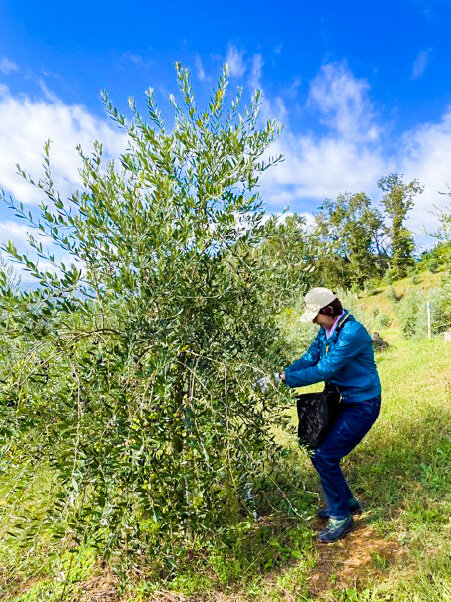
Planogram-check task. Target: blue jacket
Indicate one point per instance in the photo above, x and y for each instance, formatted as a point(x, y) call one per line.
point(346, 359)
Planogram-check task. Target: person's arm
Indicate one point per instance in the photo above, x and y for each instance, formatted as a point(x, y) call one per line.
point(351, 341)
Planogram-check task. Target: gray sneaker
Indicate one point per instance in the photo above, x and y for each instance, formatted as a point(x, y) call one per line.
point(335, 529)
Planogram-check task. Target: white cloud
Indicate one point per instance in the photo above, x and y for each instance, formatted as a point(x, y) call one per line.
point(7, 66)
point(420, 63)
point(347, 158)
point(235, 61)
point(133, 58)
point(138, 59)
point(343, 102)
point(256, 71)
point(49, 95)
point(319, 168)
point(200, 69)
point(25, 124)
point(426, 155)
point(10, 230)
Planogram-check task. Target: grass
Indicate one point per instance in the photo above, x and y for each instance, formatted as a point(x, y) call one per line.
point(400, 550)
point(380, 299)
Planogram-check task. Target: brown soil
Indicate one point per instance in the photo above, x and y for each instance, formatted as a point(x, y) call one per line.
point(351, 561)
point(100, 587)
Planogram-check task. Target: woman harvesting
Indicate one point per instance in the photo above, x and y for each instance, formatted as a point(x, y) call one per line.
point(341, 355)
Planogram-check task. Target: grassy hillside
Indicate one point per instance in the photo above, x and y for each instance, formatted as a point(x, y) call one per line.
point(381, 299)
point(400, 550)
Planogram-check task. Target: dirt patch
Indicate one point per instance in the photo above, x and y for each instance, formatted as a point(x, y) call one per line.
point(100, 587)
point(350, 562)
point(168, 596)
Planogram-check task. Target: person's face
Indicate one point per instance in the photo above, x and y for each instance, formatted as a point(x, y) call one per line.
point(325, 322)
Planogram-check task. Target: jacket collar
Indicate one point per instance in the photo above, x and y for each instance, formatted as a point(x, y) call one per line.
point(347, 317)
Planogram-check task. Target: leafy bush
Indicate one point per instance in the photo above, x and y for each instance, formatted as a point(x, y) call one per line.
point(389, 276)
point(411, 314)
point(371, 286)
point(385, 320)
point(298, 335)
point(392, 295)
point(438, 258)
point(137, 359)
point(440, 300)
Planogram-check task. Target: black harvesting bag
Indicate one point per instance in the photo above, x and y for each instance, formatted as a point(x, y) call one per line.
point(316, 414)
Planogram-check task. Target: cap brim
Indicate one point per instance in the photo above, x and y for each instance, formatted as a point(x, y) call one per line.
point(308, 316)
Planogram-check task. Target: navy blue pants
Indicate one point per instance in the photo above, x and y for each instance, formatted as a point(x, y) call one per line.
point(353, 423)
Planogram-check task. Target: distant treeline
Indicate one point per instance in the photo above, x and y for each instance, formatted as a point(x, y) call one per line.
point(353, 242)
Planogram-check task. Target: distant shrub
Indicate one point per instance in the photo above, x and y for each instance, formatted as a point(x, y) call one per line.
point(374, 312)
point(389, 276)
point(440, 300)
point(411, 313)
point(437, 258)
point(393, 295)
point(371, 286)
point(413, 270)
point(385, 321)
point(434, 266)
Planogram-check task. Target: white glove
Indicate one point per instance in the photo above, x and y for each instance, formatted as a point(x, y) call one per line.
point(277, 378)
point(264, 383)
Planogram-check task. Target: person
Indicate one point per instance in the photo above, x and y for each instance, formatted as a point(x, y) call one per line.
point(342, 355)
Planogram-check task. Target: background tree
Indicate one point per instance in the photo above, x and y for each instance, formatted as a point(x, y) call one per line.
point(397, 201)
point(350, 243)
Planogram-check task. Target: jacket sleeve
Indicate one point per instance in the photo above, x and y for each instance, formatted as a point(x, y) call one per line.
point(309, 358)
point(352, 340)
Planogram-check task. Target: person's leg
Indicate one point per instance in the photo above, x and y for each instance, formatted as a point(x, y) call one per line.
point(350, 427)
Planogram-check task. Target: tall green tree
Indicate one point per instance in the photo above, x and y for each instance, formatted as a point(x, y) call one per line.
point(152, 336)
point(350, 240)
point(397, 201)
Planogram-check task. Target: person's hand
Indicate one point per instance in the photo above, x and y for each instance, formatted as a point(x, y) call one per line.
point(269, 381)
point(262, 384)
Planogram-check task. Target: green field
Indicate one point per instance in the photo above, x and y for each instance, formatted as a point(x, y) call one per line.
point(400, 550)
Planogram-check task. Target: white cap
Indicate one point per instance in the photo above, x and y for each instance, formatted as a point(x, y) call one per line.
point(315, 300)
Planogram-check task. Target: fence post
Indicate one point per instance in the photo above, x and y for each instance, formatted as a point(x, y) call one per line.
point(428, 309)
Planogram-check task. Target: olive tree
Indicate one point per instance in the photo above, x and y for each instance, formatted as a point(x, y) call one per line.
point(141, 351)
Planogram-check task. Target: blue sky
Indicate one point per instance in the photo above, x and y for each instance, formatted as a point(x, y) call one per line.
point(362, 88)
